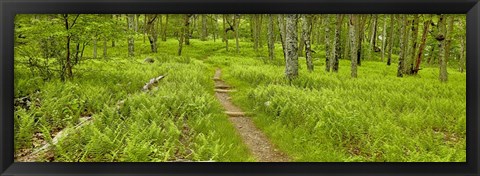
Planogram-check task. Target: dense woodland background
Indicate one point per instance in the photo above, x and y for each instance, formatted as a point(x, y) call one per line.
point(323, 87)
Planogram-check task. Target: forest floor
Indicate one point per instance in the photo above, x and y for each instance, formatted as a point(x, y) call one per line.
point(255, 140)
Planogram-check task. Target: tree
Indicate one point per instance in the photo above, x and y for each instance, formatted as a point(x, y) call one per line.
point(283, 30)
point(384, 36)
point(306, 34)
point(337, 43)
point(327, 43)
point(291, 59)
point(373, 35)
point(391, 40)
point(183, 32)
point(225, 37)
point(67, 67)
point(403, 37)
point(152, 32)
point(443, 76)
point(130, 21)
point(271, 38)
point(448, 37)
point(236, 22)
point(353, 38)
point(426, 26)
point(413, 49)
point(164, 31)
point(204, 28)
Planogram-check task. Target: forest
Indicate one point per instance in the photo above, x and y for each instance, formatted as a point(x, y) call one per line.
point(240, 88)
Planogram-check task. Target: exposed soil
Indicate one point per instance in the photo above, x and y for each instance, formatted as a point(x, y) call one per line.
point(255, 140)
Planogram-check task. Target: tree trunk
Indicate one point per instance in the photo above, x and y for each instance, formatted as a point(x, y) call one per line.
point(353, 45)
point(95, 47)
point(236, 21)
point(448, 37)
point(384, 36)
point(391, 39)
point(130, 21)
point(283, 31)
point(337, 43)
point(413, 50)
point(183, 33)
point(373, 37)
point(443, 76)
point(426, 26)
point(186, 36)
point(401, 56)
point(164, 35)
point(152, 32)
point(225, 38)
point(291, 70)
point(105, 47)
point(360, 35)
point(68, 62)
point(327, 43)
point(306, 31)
point(204, 28)
point(271, 38)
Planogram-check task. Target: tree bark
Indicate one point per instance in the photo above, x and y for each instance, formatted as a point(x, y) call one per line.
point(307, 31)
point(225, 38)
point(327, 43)
point(413, 50)
point(443, 76)
point(353, 45)
point(236, 21)
point(187, 30)
point(105, 47)
point(283, 31)
point(95, 47)
point(183, 33)
point(426, 26)
point(384, 36)
point(164, 35)
point(391, 39)
point(448, 37)
point(373, 37)
point(337, 43)
point(131, 47)
point(401, 56)
point(152, 32)
point(271, 38)
point(204, 28)
point(291, 70)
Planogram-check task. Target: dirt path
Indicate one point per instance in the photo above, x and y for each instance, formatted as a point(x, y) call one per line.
point(255, 140)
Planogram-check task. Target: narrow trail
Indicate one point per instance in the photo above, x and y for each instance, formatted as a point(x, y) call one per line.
point(255, 140)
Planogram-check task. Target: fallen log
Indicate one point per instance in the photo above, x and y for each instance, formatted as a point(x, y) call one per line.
point(152, 83)
point(224, 90)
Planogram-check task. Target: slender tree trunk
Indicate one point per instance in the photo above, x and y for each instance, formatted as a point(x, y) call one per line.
point(360, 35)
point(407, 48)
point(225, 38)
point(301, 42)
point(401, 56)
point(327, 43)
point(152, 32)
point(105, 47)
point(337, 43)
point(283, 31)
point(131, 47)
point(183, 33)
point(306, 31)
point(426, 26)
point(215, 29)
point(384, 35)
point(236, 21)
point(353, 45)
point(448, 39)
point(443, 76)
point(291, 70)
point(95, 47)
point(373, 37)
point(413, 50)
point(164, 35)
point(271, 38)
point(187, 30)
point(204, 28)
point(391, 39)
